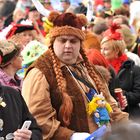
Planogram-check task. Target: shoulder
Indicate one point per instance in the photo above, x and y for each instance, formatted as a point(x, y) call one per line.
point(10, 93)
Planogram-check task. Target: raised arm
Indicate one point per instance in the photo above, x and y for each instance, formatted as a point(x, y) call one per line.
point(40, 8)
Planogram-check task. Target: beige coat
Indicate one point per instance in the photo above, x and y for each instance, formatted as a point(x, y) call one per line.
point(37, 96)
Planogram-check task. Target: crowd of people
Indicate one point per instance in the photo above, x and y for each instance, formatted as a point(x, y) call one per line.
point(61, 64)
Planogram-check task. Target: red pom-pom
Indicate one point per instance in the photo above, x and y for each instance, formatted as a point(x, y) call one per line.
point(112, 33)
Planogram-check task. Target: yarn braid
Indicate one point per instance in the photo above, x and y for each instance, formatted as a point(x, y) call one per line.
point(67, 105)
point(93, 73)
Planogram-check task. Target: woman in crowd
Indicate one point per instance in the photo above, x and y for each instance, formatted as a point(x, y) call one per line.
point(11, 61)
point(127, 73)
point(23, 33)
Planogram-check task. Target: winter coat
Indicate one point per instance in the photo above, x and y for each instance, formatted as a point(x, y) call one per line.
point(128, 78)
point(13, 115)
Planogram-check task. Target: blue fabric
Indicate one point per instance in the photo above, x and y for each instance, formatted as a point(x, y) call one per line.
point(103, 115)
point(91, 93)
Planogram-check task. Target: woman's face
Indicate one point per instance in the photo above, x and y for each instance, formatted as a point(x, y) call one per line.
point(67, 48)
point(17, 62)
point(108, 52)
point(26, 37)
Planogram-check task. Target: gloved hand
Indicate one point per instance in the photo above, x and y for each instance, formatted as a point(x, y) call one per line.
point(79, 136)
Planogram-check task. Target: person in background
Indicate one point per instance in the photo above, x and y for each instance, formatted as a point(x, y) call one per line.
point(65, 5)
point(122, 11)
point(127, 73)
point(121, 19)
point(13, 113)
point(55, 97)
point(131, 45)
point(18, 14)
point(129, 131)
point(6, 11)
point(107, 4)
point(91, 41)
point(48, 5)
point(35, 17)
point(23, 33)
point(11, 61)
point(99, 28)
point(134, 14)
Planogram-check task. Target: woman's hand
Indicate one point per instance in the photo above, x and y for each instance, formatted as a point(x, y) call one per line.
point(124, 101)
point(22, 134)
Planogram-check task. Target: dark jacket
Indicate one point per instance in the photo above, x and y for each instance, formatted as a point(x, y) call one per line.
point(128, 78)
point(15, 113)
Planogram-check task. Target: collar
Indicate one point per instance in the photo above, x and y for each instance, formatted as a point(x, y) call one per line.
point(8, 78)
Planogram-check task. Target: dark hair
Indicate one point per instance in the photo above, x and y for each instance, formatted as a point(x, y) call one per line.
point(99, 28)
point(125, 20)
point(122, 11)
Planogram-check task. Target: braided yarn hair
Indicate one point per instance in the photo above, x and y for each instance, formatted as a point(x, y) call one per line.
point(67, 105)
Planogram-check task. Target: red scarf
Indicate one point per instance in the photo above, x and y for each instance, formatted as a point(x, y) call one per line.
point(117, 62)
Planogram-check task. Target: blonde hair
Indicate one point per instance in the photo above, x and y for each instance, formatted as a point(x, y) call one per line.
point(116, 45)
point(17, 37)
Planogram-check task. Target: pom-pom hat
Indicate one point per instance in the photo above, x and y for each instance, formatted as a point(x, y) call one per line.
point(68, 24)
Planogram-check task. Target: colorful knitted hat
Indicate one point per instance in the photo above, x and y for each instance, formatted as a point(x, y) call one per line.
point(8, 51)
point(68, 24)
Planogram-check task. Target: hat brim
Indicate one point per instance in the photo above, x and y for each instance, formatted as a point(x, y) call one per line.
point(23, 28)
point(18, 29)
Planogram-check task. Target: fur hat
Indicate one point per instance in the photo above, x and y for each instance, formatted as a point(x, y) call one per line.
point(68, 24)
point(8, 51)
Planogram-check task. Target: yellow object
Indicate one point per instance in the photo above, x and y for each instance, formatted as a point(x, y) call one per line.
point(94, 104)
point(47, 24)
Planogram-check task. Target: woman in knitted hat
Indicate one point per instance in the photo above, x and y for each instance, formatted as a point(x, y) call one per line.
point(127, 73)
point(57, 83)
point(10, 63)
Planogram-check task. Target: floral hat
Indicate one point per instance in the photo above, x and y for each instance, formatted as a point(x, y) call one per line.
point(32, 51)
